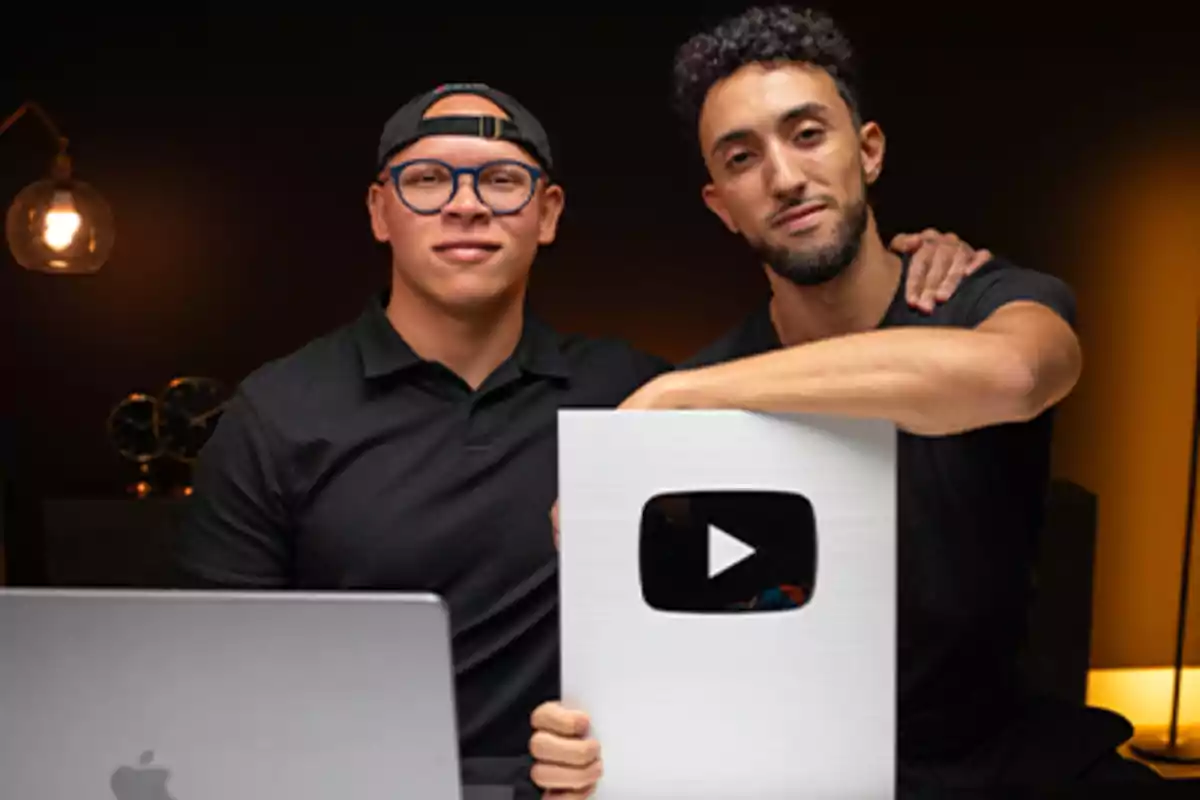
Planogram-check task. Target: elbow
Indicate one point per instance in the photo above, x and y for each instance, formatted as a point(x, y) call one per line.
point(1021, 397)
point(1027, 387)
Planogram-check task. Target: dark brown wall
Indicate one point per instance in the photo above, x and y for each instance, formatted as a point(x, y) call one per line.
point(235, 152)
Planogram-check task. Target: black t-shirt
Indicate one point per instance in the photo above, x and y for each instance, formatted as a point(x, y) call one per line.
point(354, 464)
point(970, 509)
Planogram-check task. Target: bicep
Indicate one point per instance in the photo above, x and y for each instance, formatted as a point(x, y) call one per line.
point(236, 531)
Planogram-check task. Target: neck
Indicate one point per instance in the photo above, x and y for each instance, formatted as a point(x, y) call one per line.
point(854, 301)
point(471, 343)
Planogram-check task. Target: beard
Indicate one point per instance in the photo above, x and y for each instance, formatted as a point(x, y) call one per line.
point(818, 265)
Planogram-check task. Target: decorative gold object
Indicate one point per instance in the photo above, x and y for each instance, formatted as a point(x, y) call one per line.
point(132, 428)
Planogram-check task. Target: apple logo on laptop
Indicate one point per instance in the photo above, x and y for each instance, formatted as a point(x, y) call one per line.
point(143, 782)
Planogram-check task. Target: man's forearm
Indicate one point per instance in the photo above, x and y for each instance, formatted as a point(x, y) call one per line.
point(927, 381)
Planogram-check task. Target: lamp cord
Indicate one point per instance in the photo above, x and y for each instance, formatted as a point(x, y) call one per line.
point(40, 113)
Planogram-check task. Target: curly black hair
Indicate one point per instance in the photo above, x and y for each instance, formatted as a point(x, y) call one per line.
point(762, 35)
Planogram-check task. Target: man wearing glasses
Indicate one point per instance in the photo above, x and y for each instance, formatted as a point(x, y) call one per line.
point(415, 449)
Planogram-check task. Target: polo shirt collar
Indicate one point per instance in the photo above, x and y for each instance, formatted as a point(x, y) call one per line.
point(384, 351)
point(540, 350)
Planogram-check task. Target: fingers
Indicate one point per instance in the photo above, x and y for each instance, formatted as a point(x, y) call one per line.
point(567, 764)
point(966, 261)
point(925, 257)
point(905, 242)
point(558, 719)
point(554, 521)
point(917, 244)
point(981, 257)
point(549, 749)
point(580, 780)
point(939, 263)
point(943, 256)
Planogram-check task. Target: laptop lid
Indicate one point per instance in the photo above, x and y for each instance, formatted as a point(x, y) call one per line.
point(239, 696)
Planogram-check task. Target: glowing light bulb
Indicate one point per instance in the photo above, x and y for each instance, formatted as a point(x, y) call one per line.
point(60, 227)
point(62, 222)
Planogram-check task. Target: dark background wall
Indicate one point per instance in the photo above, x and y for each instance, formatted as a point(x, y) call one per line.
point(235, 148)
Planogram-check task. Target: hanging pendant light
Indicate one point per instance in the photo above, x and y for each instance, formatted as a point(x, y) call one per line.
point(58, 225)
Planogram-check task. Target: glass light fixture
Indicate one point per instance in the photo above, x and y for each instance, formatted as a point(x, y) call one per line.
point(58, 225)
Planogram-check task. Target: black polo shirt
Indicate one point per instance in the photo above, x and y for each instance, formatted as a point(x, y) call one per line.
point(354, 464)
point(970, 509)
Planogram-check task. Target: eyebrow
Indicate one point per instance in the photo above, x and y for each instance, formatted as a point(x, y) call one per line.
point(805, 111)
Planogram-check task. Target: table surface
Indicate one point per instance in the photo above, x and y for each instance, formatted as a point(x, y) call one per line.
point(1173, 771)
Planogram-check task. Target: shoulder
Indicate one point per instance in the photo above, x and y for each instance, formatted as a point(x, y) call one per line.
point(609, 365)
point(994, 285)
point(1000, 282)
point(317, 362)
point(288, 400)
point(286, 390)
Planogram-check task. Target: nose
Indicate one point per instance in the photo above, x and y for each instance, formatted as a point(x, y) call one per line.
point(785, 174)
point(465, 204)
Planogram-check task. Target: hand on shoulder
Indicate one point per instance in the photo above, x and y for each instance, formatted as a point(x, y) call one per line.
point(939, 263)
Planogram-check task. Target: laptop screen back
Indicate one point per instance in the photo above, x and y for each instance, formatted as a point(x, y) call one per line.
point(190, 695)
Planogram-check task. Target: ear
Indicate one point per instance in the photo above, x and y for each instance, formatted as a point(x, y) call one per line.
point(716, 204)
point(376, 207)
point(872, 144)
point(551, 203)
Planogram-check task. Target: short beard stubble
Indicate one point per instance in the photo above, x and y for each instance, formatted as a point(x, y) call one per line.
point(823, 264)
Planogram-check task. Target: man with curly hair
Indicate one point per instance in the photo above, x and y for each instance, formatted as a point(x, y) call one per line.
point(772, 98)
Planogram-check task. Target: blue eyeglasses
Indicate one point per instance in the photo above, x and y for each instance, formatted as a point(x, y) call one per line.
point(426, 185)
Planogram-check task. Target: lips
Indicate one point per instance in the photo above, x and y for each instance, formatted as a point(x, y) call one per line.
point(468, 251)
point(798, 213)
point(468, 244)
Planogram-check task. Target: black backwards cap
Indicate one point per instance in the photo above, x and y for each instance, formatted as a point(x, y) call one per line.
point(408, 125)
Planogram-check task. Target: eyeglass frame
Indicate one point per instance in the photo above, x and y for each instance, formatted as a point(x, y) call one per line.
point(394, 170)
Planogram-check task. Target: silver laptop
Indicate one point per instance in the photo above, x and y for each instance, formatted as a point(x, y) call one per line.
point(231, 696)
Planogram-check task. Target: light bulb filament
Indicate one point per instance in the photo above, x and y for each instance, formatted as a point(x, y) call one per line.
point(62, 222)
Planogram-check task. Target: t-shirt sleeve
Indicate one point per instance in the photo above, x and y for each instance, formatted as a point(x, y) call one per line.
point(236, 533)
point(999, 283)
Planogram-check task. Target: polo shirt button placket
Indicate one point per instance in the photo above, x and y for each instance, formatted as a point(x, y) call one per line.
point(477, 425)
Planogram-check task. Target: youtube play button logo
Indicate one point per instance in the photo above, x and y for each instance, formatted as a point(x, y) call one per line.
point(712, 552)
point(724, 551)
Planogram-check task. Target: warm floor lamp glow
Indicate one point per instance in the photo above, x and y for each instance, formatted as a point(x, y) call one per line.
point(1174, 748)
point(57, 225)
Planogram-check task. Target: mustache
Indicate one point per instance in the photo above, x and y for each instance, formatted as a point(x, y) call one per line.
point(796, 202)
